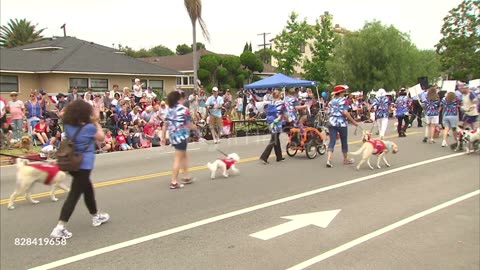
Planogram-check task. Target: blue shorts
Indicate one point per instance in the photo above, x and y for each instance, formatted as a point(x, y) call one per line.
point(182, 146)
point(470, 119)
point(450, 121)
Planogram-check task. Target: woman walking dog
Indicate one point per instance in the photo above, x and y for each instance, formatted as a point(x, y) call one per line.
point(80, 116)
point(178, 123)
point(338, 123)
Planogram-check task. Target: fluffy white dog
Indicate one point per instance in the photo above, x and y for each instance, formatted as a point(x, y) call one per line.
point(30, 173)
point(224, 164)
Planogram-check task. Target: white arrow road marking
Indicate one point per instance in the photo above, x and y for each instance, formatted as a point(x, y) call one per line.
point(381, 231)
point(320, 219)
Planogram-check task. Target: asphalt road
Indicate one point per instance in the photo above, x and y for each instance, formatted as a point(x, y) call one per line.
point(421, 213)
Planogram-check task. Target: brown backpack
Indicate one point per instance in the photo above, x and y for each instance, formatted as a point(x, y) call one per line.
point(67, 159)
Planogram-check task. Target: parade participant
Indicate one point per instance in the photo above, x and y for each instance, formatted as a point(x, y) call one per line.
point(80, 115)
point(338, 124)
point(449, 105)
point(469, 107)
point(402, 105)
point(431, 106)
point(381, 107)
point(178, 123)
point(277, 110)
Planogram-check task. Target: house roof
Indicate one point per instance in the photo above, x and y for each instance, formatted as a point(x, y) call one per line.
point(72, 55)
point(176, 62)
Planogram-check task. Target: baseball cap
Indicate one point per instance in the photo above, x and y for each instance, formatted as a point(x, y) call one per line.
point(42, 92)
point(215, 89)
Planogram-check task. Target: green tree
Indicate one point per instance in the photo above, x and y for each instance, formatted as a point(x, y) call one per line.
point(376, 56)
point(161, 50)
point(200, 46)
point(321, 49)
point(265, 55)
point(183, 49)
point(194, 10)
point(289, 44)
point(19, 32)
point(245, 48)
point(250, 47)
point(251, 63)
point(459, 47)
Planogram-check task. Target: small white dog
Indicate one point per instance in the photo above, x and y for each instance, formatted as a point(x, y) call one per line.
point(29, 173)
point(374, 147)
point(470, 139)
point(224, 164)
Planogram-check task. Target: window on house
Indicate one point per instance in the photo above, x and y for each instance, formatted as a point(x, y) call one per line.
point(8, 83)
point(179, 80)
point(185, 81)
point(157, 86)
point(80, 83)
point(190, 80)
point(99, 85)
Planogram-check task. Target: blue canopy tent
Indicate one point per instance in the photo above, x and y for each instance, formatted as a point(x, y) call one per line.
point(279, 80)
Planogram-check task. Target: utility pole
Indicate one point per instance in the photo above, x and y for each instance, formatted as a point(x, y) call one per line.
point(264, 46)
point(64, 29)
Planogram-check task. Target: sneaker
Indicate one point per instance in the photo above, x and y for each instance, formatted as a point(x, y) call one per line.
point(444, 143)
point(99, 219)
point(348, 161)
point(60, 232)
point(176, 186)
point(329, 165)
point(425, 140)
point(187, 180)
point(432, 141)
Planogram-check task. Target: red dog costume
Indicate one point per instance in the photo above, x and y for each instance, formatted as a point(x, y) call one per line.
point(228, 162)
point(379, 146)
point(51, 169)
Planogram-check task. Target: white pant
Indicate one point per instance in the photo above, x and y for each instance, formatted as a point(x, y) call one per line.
point(382, 126)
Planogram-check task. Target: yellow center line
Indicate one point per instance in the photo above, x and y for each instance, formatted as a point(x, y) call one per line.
point(154, 175)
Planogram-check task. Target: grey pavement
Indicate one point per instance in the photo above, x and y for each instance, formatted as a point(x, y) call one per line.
point(446, 239)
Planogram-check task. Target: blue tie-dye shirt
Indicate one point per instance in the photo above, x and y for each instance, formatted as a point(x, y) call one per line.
point(337, 106)
point(280, 105)
point(450, 108)
point(402, 104)
point(290, 103)
point(431, 107)
point(381, 105)
point(178, 119)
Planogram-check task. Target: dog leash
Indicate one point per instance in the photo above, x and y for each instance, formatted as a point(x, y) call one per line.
point(218, 150)
point(32, 159)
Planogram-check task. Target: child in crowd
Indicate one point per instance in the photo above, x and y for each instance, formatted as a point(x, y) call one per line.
point(122, 141)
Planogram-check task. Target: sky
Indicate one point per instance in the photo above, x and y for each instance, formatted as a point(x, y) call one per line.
point(145, 24)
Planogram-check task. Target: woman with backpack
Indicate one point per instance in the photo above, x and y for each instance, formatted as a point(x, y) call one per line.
point(81, 124)
point(275, 112)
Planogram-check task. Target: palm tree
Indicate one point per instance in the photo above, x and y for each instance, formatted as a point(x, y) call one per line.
point(18, 33)
point(194, 9)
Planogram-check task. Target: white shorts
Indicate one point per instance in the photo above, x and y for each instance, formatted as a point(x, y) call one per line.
point(431, 119)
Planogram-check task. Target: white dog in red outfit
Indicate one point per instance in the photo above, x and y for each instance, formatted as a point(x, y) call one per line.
point(224, 164)
point(29, 173)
